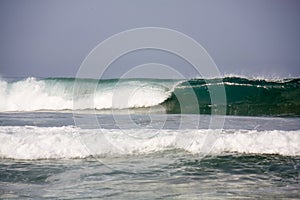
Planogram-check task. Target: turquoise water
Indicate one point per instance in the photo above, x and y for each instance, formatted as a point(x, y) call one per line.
point(130, 139)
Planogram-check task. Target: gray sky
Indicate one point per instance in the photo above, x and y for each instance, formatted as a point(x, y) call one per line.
point(52, 37)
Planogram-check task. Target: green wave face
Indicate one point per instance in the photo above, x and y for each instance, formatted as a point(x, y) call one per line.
point(244, 97)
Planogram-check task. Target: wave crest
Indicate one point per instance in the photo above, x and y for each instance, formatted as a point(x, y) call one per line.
point(250, 97)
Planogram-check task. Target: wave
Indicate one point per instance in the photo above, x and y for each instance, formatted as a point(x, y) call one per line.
point(251, 97)
point(32, 94)
point(30, 142)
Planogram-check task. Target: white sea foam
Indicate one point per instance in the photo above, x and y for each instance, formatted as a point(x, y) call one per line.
point(28, 142)
point(32, 94)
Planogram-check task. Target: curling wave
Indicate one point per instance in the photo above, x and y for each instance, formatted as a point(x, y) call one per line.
point(250, 97)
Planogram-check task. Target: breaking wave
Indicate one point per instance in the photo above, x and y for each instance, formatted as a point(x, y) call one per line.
point(252, 97)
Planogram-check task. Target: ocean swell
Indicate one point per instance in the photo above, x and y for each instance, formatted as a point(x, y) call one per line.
point(249, 97)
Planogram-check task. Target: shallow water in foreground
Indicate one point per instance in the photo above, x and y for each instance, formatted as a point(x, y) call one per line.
point(154, 166)
point(162, 175)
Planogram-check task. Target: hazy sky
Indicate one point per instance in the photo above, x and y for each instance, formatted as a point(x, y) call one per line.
point(52, 37)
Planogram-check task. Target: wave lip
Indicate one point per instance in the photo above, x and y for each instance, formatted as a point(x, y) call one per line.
point(29, 142)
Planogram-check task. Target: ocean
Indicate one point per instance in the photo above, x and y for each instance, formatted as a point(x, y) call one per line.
point(66, 138)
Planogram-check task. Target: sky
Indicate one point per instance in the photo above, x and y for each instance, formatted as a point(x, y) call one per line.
point(51, 38)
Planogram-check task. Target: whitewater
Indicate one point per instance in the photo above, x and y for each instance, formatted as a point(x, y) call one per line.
point(70, 138)
point(32, 94)
point(70, 142)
